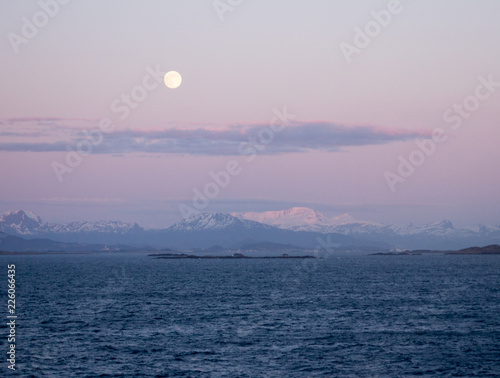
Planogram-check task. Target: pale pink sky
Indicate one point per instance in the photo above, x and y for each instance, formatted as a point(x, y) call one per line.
point(353, 120)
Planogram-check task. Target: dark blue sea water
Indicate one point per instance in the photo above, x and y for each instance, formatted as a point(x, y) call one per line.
point(130, 315)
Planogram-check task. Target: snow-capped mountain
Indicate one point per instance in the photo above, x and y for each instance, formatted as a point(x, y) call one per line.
point(485, 230)
point(215, 221)
point(296, 219)
point(442, 228)
point(409, 236)
point(299, 226)
point(305, 219)
point(97, 226)
point(209, 229)
point(27, 223)
point(20, 222)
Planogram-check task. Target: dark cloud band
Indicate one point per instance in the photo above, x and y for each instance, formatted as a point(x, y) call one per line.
point(297, 137)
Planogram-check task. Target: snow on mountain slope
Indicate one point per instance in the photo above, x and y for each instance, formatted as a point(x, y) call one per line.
point(436, 235)
point(97, 226)
point(214, 221)
point(482, 229)
point(305, 219)
point(442, 228)
point(296, 218)
point(21, 222)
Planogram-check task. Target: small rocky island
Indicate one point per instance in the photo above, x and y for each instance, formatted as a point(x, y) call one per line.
point(233, 256)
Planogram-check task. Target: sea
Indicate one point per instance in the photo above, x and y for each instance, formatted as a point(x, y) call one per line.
point(131, 315)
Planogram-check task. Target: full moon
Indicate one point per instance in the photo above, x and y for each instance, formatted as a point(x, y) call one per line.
point(172, 79)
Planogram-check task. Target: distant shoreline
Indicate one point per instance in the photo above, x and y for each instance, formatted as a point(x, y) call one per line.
point(488, 250)
point(28, 253)
point(234, 256)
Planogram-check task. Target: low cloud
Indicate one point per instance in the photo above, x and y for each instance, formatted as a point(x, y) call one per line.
point(224, 141)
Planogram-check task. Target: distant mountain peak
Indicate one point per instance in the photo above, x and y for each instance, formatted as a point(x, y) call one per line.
point(344, 218)
point(445, 223)
point(21, 222)
point(212, 221)
point(297, 219)
point(20, 215)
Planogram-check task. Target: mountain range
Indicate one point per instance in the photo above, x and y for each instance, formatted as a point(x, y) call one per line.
point(22, 222)
point(298, 226)
point(441, 234)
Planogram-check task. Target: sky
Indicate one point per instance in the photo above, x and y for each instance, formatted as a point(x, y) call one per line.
point(386, 110)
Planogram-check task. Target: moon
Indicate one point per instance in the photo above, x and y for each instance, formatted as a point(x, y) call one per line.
point(172, 79)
